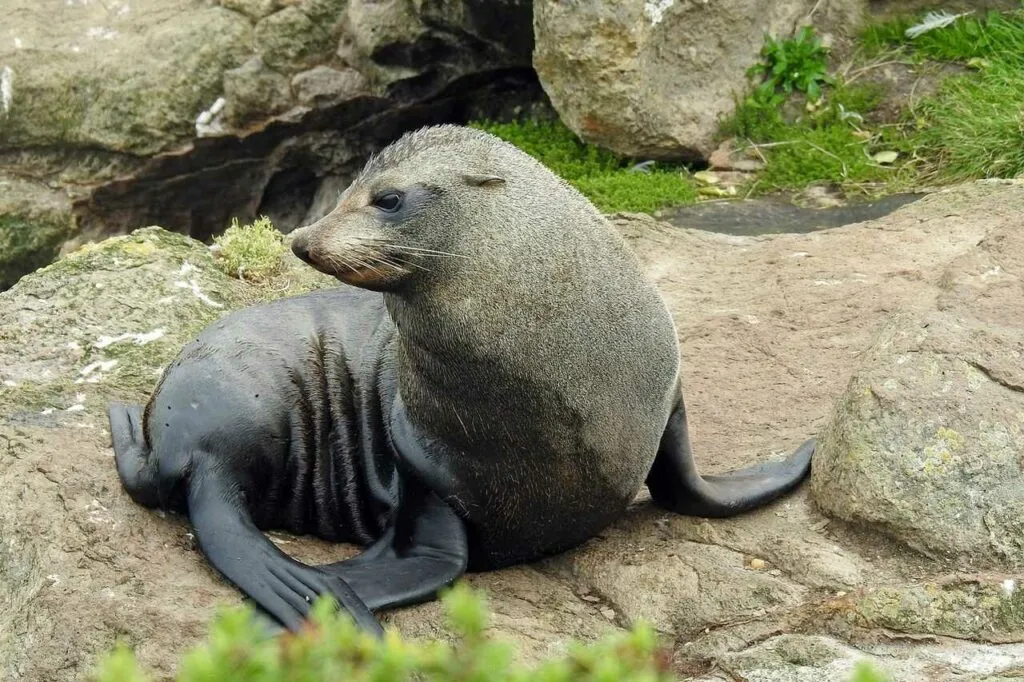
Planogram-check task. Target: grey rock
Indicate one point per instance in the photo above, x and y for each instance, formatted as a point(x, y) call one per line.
point(324, 86)
point(652, 78)
point(254, 92)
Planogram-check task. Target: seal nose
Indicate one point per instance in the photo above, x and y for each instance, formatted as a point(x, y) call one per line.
point(300, 245)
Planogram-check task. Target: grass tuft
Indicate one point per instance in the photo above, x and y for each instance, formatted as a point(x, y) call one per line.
point(826, 143)
point(974, 126)
point(992, 36)
point(251, 252)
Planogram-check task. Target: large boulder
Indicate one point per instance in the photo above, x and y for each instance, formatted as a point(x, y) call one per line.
point(651, 78)
point(771, 328)
point(927, 441)
point(187, 114)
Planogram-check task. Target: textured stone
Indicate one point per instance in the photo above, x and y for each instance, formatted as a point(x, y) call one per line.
point(323, 86)
point(254, 92)
point(651, 78)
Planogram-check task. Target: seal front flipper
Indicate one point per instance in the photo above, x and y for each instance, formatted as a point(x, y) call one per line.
point(136, 468)
point(423, 551)
point(675, 484)
point(234, 545)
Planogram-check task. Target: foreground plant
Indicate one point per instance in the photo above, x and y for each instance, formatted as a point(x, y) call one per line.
point(331, 648)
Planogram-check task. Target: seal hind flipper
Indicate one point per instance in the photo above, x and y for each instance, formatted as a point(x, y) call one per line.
point(423, 551)
point(281, 586)
point(137, 470)
point(676, 485)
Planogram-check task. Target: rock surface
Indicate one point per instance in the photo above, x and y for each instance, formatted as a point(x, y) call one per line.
point(651, 78)
point(771, 329)
point(188, 113)
point(928, 439)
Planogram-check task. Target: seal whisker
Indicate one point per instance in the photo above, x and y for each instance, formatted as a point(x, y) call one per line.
point(415, 249)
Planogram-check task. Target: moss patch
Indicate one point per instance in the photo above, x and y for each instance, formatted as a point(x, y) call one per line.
point(613, 184)
point(34, 223)
point(103, 321)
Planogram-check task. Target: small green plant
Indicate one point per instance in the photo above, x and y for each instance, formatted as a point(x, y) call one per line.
point(251, 252)
point(602, 177)
point(825, 143)
point(331, 648)
point(798, 64)
point(863, 671)
point(822, 140)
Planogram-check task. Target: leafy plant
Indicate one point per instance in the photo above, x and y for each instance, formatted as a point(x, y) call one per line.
point(331, 648)
point(798, 64)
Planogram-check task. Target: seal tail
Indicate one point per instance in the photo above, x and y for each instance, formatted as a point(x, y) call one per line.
point(675, 483)
point(135, 467)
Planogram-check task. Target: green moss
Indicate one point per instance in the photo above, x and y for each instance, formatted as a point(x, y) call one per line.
point(332, 649)
point(864, 671)
point(251, 252)
point(30, 242)
point(602, 177)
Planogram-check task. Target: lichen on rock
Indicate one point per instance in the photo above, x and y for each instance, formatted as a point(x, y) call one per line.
point(926, 445)
point(34, 222)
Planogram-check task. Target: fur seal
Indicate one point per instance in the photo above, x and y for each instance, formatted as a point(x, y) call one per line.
point(497, 386)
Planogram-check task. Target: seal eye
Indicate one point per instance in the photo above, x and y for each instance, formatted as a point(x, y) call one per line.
point(389, 201)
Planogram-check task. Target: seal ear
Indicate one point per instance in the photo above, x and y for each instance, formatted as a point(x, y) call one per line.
point(483, 180)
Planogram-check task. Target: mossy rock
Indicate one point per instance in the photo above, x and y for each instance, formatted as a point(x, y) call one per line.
point(983, 609)
point(131, 82)
point(34, 222)
point(102, 322)
point(925, 443)
point(289, 40)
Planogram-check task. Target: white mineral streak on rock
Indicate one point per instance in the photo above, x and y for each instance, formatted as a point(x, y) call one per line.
point(207, 123)
point(655, 10)
point(193, 286)
point(6, 90)
point(101, 32)
point(140, 339)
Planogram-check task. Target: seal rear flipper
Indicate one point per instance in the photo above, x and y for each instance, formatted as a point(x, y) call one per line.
point(281, 586)
point(425, 550)
point(135, 467)
point(675, 484)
